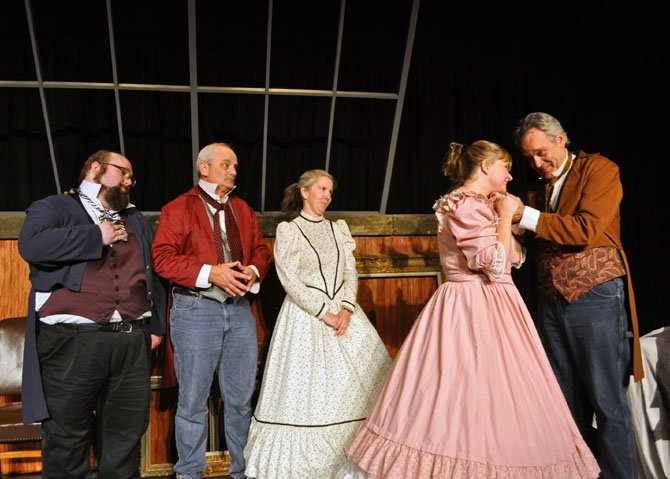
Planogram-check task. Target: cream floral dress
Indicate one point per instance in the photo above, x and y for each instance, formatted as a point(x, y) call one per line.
point(317, 388)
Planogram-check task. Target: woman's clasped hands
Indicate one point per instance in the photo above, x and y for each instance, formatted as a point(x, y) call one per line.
point(339, 322)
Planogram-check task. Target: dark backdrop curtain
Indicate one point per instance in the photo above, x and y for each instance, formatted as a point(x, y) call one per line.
point(476, 69)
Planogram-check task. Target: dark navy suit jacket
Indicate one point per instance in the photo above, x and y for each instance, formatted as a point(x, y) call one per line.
point(57, 240)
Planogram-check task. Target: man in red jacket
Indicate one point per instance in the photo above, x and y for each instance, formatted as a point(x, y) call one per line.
point(209, 245)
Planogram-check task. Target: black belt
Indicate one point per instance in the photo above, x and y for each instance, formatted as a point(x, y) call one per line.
point(118, 327)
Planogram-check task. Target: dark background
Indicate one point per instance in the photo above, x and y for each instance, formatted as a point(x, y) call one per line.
point(476, 68)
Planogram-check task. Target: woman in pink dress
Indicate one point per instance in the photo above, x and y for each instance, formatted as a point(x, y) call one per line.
point(471, 392)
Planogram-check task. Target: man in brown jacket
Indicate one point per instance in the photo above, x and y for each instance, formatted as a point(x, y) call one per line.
point(581, 316)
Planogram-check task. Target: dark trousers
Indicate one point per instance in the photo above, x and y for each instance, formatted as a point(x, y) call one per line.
point(94, 380)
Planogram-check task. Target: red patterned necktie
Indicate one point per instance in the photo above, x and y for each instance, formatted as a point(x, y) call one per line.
point(232, 232)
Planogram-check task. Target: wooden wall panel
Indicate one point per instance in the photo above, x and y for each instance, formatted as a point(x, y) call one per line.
point(392, 304)
point(396, 245)
point(14, 282)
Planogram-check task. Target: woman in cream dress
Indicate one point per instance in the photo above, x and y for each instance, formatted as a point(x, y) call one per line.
point(326, 362)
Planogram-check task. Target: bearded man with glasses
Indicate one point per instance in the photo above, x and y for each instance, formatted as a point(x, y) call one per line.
point(96, 309)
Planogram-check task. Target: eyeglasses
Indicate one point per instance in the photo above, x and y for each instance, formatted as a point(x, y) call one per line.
point(124, 172)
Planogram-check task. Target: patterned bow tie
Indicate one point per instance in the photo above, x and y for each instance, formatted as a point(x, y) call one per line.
point(104, 215)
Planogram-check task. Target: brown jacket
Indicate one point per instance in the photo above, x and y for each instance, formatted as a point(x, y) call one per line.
point(587, 216)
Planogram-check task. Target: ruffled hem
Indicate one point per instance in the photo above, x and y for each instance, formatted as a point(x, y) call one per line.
point(382, 458)
point(278, 452)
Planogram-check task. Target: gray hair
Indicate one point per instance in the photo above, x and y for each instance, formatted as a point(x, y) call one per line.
point(539, 121)
point(205, 155)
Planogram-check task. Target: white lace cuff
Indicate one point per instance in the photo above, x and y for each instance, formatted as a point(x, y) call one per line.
point(497, 268)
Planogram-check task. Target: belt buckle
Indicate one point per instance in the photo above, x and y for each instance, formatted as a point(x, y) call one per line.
point(187, 292)
point(126, 327)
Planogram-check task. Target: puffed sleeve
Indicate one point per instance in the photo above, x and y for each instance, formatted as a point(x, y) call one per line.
point(473, 223)
point(287, 252)
point(350, 276)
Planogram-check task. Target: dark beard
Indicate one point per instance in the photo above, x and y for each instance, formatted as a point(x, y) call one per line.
point(115, 197)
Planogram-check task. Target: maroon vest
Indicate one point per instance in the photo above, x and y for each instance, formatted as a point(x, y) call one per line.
point(114, 282)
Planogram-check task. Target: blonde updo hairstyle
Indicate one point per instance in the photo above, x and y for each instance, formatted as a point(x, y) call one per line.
point(462, 161)
point(292, 201)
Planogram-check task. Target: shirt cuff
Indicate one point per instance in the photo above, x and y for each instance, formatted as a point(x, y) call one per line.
point(256, 287)
point(348, 306)
point(202, 281)
point(529, 219)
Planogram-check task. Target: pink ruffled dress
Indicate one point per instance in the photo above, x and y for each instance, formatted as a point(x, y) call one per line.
point(471, 392)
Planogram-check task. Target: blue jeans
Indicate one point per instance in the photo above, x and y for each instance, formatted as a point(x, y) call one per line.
point(210, 337)
point(587, 343)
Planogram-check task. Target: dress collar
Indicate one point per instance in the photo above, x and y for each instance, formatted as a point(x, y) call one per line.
point(310, 218)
